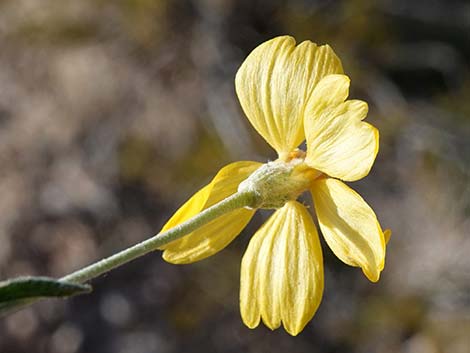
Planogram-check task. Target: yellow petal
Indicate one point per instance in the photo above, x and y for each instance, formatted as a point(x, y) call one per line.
point(349, 226)
point(217, 234)
point(339, 143)
point(282, 271)
point(387, 235)
point(332, 90)
point(274, 83)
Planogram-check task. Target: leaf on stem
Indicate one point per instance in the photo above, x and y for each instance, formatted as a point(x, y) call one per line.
point(18, 292)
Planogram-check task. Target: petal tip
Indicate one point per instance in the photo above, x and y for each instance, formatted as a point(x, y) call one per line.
point(270, 319)
point(387, 235)
point(297, 328)
point(373, 275)
point(251, 324)
point(292, 332)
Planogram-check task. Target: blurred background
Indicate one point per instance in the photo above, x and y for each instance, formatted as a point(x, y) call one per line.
point(112, 113)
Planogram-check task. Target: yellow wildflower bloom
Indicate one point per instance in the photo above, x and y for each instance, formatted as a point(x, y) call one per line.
point(290, 94)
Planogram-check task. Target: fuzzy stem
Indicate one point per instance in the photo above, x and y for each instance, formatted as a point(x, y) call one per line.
point(237, 200)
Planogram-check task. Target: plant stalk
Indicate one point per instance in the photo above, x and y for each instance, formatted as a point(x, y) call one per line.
point(233, 202)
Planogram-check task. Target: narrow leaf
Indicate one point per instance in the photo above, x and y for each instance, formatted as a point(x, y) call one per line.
point(18, 292)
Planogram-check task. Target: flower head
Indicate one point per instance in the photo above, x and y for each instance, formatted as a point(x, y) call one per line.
point(290, 94)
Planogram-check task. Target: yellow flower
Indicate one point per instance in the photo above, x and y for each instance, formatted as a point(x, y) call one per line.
point(290, 94)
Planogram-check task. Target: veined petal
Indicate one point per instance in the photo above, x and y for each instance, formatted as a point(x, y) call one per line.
point(349, 226)
point(331, 91)
point(274, 83)
point(282, 271)
point(217, 234)
point(339, 143)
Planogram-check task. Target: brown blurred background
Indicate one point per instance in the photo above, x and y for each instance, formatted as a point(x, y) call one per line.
point(112, 113)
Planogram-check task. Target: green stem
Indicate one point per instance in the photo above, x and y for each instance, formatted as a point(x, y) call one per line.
point(237, 200)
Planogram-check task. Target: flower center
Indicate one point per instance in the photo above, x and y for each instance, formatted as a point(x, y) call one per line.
point(275, 183)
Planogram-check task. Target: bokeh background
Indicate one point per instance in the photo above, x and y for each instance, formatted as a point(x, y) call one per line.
point(112, 113)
